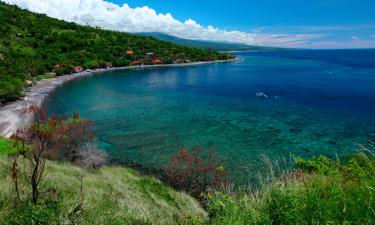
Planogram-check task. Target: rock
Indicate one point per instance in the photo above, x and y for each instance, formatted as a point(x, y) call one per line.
point(295, 130)
point(331, 142)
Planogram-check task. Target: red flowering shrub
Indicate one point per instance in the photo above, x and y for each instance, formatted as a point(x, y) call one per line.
point(196, 171)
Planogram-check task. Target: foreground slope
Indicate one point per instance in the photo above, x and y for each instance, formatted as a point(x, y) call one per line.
point(112, 195)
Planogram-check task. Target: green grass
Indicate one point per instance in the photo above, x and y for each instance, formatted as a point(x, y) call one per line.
point(112, 195)
point(316, 191)
point(6, 147)
point(326, 192)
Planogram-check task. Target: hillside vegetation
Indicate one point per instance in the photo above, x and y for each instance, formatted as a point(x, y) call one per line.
point(111, 195)
point(33, 44)
point(318, 191)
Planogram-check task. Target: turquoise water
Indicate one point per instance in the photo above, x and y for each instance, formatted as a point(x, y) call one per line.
point(319, 102)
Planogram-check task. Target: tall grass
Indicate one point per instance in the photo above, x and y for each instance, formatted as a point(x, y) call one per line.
point(111, 195)
point(318, 191)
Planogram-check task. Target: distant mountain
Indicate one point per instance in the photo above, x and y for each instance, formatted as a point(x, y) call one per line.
point(218, 46)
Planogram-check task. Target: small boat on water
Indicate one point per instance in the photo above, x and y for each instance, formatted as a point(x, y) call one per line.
point(261, 95)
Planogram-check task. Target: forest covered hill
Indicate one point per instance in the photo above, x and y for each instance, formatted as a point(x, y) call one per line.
point(34, 45)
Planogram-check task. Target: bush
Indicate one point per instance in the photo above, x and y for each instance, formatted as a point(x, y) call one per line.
point(196, 172)
point(121, 62)
point(92, 156)
point(10, 88)
point(6, 147)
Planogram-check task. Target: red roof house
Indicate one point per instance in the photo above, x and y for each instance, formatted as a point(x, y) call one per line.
point(156, 61)
point(137, 62)
point(78, 69)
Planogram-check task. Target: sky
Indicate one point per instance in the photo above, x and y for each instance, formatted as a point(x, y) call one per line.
point(282, 23)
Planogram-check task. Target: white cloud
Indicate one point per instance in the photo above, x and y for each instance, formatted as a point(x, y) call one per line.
point(144, 19)
point(123, 18)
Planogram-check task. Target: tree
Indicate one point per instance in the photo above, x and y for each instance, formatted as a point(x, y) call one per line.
point(44, 139)
point(76, 132)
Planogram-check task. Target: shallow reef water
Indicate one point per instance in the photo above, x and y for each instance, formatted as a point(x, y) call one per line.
point(318, 102)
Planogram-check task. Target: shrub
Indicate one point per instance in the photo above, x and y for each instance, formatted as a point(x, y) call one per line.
point(92, 156)
point(6, 147)
point(196, 172)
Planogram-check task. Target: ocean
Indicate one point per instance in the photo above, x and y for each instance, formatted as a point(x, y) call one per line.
point(269, 104)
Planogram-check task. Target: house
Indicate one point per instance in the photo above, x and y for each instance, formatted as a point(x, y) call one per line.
point(137, 62)
point(156, 61)
point(78, 69)
point(150, 54)
point(29, 82)
point(129, 52)
point(57, 66)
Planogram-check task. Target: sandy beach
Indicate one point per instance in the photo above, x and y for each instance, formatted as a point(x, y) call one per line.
point(14, 116)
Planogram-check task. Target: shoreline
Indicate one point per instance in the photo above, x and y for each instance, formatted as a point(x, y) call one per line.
point(13, 115)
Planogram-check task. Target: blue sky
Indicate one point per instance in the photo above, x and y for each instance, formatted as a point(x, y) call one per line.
point(284, 23)
point(336, 22)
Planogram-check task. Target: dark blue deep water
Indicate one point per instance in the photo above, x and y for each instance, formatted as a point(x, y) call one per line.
point(319, 102)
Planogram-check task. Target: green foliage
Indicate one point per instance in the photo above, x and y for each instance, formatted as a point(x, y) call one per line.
point(330, 192)
point(6, 147)
point(359, 166)
point(10, 88)
point(319, 164)
point(33, 44)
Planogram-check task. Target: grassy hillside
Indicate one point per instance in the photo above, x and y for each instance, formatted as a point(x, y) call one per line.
point(319, 191)
point(316, 191)
point(33, 44)
point(217, 46)
point(112, 195)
